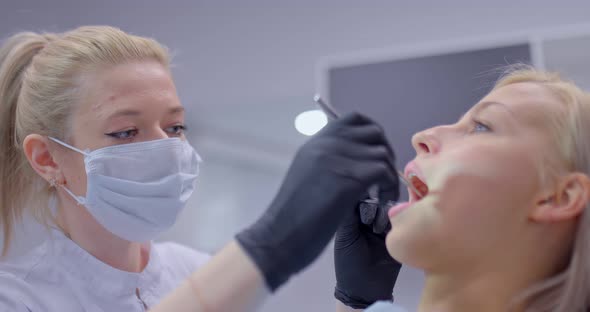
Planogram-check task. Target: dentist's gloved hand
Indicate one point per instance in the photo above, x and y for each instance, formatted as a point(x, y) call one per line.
point(327, 178)
point(365, 272)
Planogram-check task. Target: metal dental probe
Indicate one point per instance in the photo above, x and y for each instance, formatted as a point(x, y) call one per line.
point(332, 114)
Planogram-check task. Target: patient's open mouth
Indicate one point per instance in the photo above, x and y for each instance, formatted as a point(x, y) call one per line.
point(419, 185)
point(417, 189)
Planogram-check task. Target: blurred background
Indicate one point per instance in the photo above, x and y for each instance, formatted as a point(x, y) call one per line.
point(246, 69)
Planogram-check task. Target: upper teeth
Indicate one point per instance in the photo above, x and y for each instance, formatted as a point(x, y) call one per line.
point(411, 175)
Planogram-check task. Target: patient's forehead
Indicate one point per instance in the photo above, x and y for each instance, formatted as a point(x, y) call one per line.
point(532, 103)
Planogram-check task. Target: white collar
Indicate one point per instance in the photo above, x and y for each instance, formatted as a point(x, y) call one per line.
point(97, 275)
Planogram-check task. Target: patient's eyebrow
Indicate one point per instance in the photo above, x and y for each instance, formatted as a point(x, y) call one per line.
point(479, 107)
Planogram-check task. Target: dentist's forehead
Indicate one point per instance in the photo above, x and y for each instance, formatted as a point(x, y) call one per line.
point(134, 82)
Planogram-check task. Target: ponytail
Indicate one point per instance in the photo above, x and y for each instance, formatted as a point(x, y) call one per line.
point(15, 56)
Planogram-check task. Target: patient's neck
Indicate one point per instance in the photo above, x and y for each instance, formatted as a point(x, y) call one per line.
point(488, 286)
point(448, 293)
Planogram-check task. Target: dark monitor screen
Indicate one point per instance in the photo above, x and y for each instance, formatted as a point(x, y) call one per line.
point(410, 95)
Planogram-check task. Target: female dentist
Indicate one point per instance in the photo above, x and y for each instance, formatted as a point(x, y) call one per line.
point(92, 141)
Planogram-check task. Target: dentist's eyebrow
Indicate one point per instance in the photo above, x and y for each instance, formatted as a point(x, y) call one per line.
point(124, 112)
point(133, 112)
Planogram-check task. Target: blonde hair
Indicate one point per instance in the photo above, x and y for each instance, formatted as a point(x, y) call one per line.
point(40, 84)
point(569, 290)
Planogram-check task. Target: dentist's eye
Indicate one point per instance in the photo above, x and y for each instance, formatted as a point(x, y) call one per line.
point(123, 135)
point(479, 127)
point(176, 130)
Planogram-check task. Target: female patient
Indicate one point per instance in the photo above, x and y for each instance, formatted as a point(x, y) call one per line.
point(502, 223)
point(509, 225)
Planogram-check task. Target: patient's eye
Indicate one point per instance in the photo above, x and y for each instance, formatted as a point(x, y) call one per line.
point(479, 126)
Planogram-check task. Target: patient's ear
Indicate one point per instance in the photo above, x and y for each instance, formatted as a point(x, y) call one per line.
point(565, 201)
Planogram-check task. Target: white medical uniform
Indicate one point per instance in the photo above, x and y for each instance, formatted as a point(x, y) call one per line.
point(60, 276)
point(383, 306)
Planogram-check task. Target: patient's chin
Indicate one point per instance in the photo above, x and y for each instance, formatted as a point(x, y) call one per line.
point(400, 247)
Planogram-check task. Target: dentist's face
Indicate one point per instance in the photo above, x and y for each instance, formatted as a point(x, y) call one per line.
point(127, 103)
point(483, 176)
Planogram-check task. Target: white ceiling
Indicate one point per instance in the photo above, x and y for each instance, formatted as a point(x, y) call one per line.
point(244, 69)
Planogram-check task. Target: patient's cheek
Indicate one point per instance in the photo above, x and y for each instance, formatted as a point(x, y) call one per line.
point(460, 176)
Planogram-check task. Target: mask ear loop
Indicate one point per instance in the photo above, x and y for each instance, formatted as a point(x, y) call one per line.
point(68, 146)
point(53, 181)
point(54, 184)
point(78, 200)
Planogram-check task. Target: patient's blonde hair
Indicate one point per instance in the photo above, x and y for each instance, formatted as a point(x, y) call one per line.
point(568, 291)
point(40, 83)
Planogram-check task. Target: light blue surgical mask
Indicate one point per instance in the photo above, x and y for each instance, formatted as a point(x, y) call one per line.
point(137, 190)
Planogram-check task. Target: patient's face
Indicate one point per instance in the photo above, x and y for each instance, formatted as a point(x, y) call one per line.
point(482, 176)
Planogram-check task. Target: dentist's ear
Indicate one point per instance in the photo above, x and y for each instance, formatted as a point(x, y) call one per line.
point(37, 149)
point(566, 201)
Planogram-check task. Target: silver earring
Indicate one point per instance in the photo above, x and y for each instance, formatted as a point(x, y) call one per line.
point(53, 182)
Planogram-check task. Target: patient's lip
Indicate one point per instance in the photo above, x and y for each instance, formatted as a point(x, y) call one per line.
point(412, 167)
point(414, 175)
point(393, 211)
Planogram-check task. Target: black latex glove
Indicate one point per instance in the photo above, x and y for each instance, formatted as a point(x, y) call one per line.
point(374, 214)
point(327, 178)
point(365, 272)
